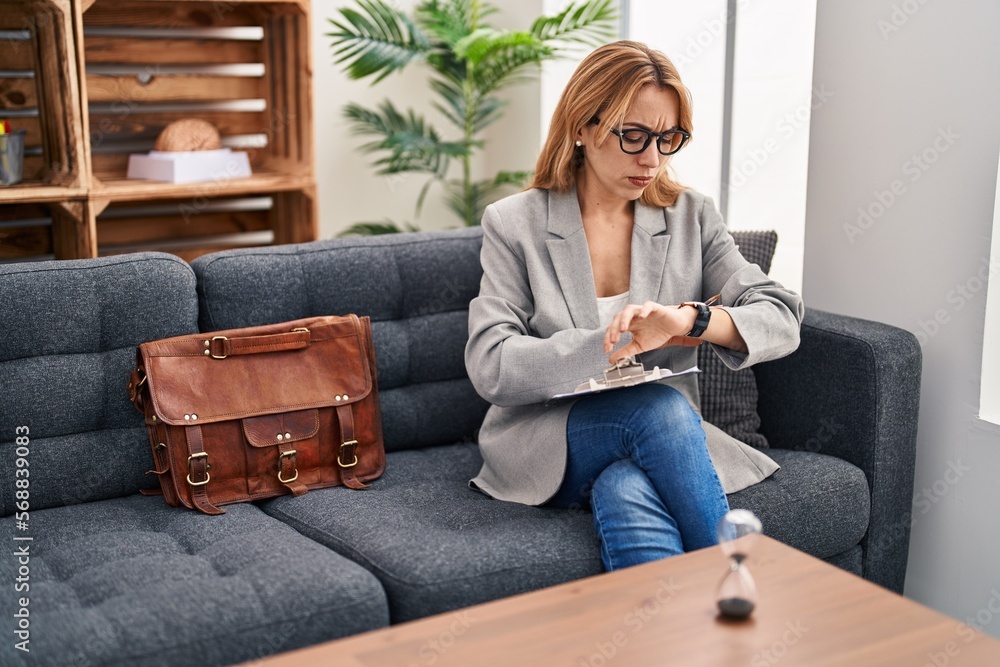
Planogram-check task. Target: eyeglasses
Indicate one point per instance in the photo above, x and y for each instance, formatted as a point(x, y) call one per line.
point(635, 140)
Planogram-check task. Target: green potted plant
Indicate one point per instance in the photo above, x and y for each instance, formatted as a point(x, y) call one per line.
point(470, 63)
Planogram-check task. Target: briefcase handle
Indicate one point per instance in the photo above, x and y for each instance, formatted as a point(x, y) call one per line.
point(220, 347)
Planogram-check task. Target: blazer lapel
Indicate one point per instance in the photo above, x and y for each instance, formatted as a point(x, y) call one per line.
point(570, 257)
point(649, 253)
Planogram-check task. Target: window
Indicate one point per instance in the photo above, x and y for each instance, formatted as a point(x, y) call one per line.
point(989, 396)
point(748, 64)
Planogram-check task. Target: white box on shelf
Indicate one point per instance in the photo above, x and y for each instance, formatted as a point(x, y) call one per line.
point(190, 167)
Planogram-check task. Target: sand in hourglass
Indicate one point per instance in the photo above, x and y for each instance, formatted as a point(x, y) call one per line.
point(737, 595)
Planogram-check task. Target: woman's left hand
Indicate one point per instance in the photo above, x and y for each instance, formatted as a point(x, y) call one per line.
point(652, 325)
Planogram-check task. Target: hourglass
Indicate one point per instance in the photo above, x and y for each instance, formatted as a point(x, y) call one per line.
point(737, 532)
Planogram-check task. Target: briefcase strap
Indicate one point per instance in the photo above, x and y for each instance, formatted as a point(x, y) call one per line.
point(136, 380)
point(347, 455)
point(288, 472)
point(198, 471)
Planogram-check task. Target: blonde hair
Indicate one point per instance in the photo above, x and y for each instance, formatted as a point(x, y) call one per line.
point(604, 86)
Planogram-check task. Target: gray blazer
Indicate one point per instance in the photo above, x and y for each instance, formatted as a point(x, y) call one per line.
point(534, 328)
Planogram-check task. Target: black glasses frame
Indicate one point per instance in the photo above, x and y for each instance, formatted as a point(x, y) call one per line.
point(666, 135)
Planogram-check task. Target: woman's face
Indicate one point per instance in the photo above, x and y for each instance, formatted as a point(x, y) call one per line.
point(610, 173)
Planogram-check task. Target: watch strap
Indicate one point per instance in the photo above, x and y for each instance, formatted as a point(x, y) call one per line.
point(701, 320)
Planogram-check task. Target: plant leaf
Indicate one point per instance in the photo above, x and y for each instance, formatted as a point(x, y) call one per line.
point(477, 46)
point(453, 97)
point(450, 20)
point(496, 59)
point(469, 203)
point(461, 201)
point(423, 196)
point(378, 40)
point(591, 23)
point(488, 111)
point(374, 228)
point(412, 145)
point(515, 178)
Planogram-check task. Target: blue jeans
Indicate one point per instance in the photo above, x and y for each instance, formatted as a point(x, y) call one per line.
point(638, 455)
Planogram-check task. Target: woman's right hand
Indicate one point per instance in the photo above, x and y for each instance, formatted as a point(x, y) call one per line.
point(652, 325)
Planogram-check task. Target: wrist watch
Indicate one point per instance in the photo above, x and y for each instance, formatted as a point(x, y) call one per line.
point(703, 317)
point(701, 321)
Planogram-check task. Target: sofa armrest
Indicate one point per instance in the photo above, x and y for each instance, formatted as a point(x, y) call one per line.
point(852, 390)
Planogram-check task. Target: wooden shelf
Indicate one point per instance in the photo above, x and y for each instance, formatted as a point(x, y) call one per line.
point(109, 75)
point(38, 191)
point(259, 183)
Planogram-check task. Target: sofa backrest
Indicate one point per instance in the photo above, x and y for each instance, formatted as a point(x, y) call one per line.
point(415, 288)
point(68, 334)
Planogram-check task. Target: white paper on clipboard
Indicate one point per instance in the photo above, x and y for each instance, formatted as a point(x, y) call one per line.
point(626, 373)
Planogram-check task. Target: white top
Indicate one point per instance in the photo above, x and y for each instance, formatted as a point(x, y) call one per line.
point(609, 306)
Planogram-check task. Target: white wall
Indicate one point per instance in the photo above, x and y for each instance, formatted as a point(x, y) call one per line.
point(917, 80)
point(349, 189)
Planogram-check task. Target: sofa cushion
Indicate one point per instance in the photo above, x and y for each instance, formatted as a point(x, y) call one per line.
point(68, 333)
point(132, 581)
point(728, 397)
point(415, 287)
point(437, 545)
point(816, 503)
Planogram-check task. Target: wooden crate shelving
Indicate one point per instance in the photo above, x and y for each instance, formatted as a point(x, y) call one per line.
point(40, 92)
point(222, 221)
point(141, 64)
point(45, 229)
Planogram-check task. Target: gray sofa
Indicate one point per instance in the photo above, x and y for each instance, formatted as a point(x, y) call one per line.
point(119, 578)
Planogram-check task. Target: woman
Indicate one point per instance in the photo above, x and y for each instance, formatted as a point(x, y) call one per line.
point(605, 254)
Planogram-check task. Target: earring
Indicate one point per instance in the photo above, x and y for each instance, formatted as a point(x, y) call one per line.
point(579, 143)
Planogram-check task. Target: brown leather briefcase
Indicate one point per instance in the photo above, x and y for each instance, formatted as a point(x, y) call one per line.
point(263, 411)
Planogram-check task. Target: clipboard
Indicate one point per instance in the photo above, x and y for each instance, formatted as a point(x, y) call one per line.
point(627, 372)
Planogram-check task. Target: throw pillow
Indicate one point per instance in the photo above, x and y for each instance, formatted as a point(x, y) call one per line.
point(729, 398)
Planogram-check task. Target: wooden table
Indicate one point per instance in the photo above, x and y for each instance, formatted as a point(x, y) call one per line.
point(808, 613)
